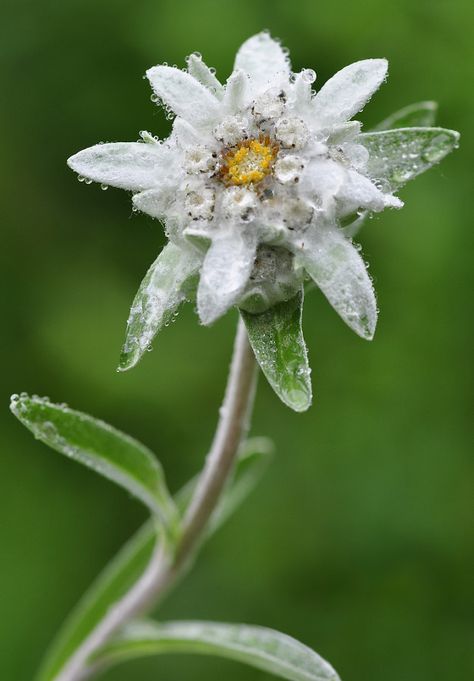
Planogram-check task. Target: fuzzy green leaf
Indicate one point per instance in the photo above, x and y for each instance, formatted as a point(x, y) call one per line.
point(131, 561)
point(397, 156)
point(161, 292)
point(106, 591)
point(277, 340)
point(98, 446)
point(421, 114)
point(258, 647)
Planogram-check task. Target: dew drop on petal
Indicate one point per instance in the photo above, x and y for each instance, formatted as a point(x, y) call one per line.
point(308, 75)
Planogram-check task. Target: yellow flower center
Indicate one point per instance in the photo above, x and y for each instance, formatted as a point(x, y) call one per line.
point(249, 161)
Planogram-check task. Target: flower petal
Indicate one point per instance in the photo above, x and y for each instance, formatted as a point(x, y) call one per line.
point(225, 272)
point(127, 165)
point(184, 95)
point(185, 134)
point(347, 92)
point(159, 295)
point(236, 91)
point(201, 72)
point(335, 265)
point(156, 201)
point(357, 191)
point(321, 180)
point(264, 61)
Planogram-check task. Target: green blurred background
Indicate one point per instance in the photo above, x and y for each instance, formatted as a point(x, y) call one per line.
point(359, 540)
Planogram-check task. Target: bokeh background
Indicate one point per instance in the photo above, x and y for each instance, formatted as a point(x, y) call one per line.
point(359, 540)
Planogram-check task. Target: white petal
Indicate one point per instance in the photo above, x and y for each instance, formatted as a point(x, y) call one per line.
point(302, 88)
point(127, 165)
point(357, 154)
point(201, 72)
point(155, 202)
point(343, 132)
point(321, 180)
point(225, 272)
point(346, 93)
point(184, 95)
point(337, 268)
point(264, 61)
point(357, 191)
point(236, 92)
point(186, 135)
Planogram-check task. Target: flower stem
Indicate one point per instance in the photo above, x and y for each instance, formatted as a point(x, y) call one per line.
point(165, 566)
point(232, 427)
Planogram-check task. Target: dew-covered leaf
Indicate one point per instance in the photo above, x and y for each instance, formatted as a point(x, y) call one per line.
point(277, 340)
point(160, 294)
point(421, 114)
point(259, 647)
point(253, 459)
point(131, 561)
point(98, 446)
point(107, 590)
point(397, 156)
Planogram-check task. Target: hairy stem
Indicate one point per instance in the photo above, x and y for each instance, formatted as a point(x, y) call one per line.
point(232, 427)
point(165, 567)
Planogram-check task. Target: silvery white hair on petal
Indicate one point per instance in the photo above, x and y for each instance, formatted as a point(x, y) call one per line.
point(265, 169)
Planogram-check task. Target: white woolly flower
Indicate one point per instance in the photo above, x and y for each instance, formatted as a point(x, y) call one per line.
point(255, 178)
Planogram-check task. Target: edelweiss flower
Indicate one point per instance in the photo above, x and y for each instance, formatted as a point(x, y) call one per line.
point(257, 182)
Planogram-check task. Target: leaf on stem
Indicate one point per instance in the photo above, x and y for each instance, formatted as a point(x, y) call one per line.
point(276, 338)
point(421, 114)
point(98, 446)
point(258, 647)
point(111, 586)
point(132, 560)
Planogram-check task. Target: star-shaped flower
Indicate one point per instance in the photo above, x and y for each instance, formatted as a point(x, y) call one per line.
point(260, 185)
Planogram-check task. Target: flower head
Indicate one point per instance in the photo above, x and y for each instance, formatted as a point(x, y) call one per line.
point(258, 180)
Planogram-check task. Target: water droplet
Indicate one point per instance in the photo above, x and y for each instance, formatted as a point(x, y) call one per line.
point(88, 180)
point(80, 178)
point(104, 187)
point(308, 75)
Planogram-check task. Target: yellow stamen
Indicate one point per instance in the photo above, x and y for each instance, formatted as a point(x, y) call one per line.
point(249, 162)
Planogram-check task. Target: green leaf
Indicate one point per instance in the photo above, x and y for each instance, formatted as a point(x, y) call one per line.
point(110, 587)
point(258, 647)
point(421, 114)
point(161, 292)
point(130, 563)
point(253, 459)
point(98, 446)
point(397, 156)
point(277, 340)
